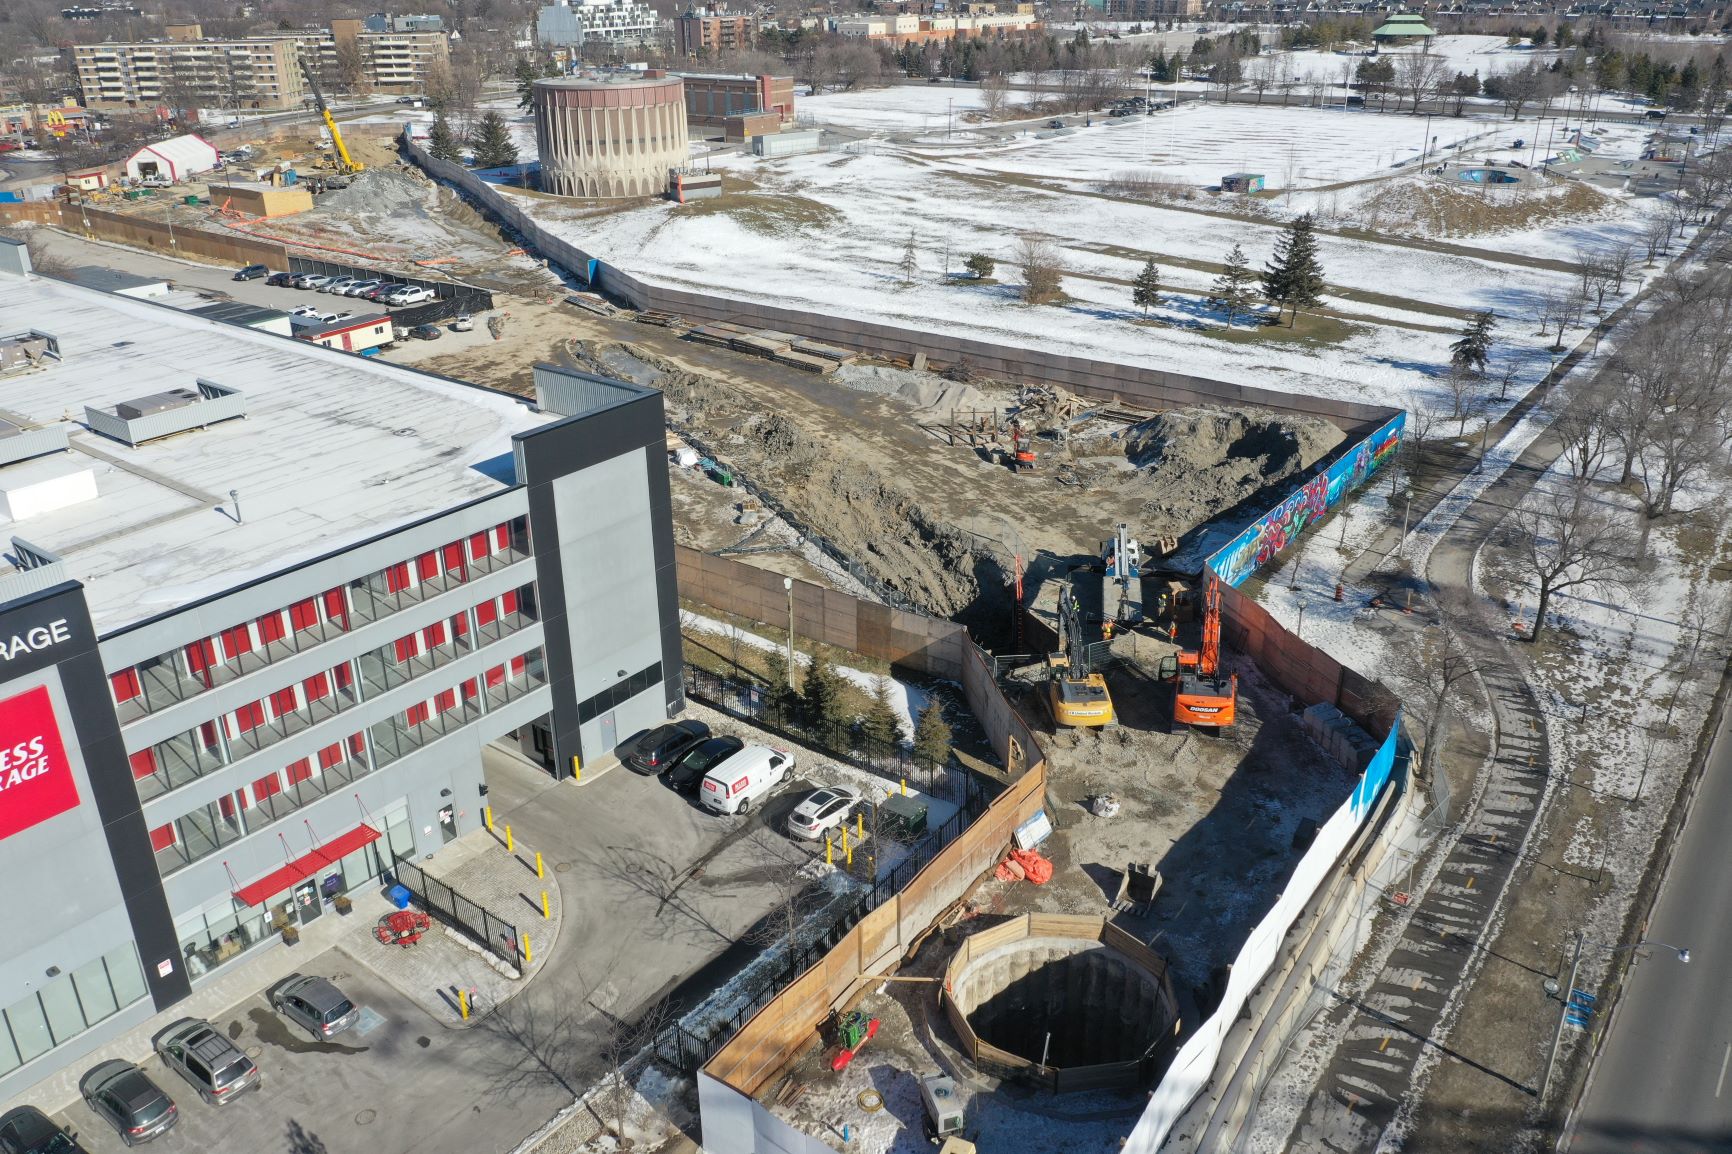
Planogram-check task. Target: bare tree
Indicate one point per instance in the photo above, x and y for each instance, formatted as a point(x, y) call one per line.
point(1042, 269)
point(1560, 307)
point(1566, 537)
point(624, 1045)
point(1595, 275)
point(1585, 429)
point(1443, 670)
point(1620, 264)
point(994, 93)
point(1418, 75)
point(1681, 438)
point(1463, 385)
point(1656, 236)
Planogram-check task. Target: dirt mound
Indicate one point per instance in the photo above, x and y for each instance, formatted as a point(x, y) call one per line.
point(1202, 461)
point(380, 192)
point(920, 390)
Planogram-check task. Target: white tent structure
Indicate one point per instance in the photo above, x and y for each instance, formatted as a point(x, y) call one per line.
point(178, 158)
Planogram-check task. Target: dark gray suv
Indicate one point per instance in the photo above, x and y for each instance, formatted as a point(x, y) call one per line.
point(120, 1094)
point(27, 1130)
point(316, 1004)
point(196, 1051)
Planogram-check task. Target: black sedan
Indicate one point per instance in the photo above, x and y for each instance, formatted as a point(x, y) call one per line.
point(656, 750)
point(426, 332)
point(687, 771)
point(123, 1096)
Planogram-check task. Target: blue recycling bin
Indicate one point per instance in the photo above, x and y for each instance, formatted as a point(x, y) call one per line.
point(399, 896)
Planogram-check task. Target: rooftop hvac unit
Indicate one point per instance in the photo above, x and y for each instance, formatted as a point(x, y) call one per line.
point(156, 403)
point(8, 429)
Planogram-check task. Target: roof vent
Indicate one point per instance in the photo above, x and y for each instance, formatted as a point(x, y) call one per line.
point(27, 350)
point(163, 414)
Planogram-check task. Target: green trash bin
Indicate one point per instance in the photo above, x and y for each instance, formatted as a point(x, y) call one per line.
point(192, 199)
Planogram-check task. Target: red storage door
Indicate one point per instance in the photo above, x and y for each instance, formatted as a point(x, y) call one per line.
point(125, 685)
point(162, 837)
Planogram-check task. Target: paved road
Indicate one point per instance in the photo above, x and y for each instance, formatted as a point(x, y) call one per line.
point(1662, 1081)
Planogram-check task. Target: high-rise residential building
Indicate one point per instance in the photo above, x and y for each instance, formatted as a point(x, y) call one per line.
point(621, 22)
point(711, 30)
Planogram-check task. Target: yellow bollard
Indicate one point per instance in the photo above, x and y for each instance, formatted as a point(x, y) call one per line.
point(850, 850)
point(528, 954)
point(538, 870)
point(829, 851)
point(546, 910)
point(905, 787)
point(510, 842)
point(859, 827)
point(487, 813)
point(463, 1004)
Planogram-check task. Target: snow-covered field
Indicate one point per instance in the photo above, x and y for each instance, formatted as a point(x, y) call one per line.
point(904, 108)
point(829, 230)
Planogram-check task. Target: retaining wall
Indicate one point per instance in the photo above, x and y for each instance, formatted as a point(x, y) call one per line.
point(926, 645)
point(141, 232)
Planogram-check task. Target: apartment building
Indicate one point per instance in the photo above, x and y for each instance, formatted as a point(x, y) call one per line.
point(619, 22)
point(259, 73)
point(712, 30)
point(1154, 9)
point(245, 664)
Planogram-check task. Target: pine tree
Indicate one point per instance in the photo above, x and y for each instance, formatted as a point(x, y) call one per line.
point(881, 726)
point(441, 141)
point(910, 262)
point(781, 700)
point(932, 737)
point(492, 143)
point(980, 265)
point(524, 72)
point(1294, 279)
point(1232, 289)
point(821, 699)
point(1474, 345)
point(1146, 289)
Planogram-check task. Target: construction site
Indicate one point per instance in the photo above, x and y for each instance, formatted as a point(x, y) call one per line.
point(1167, 785)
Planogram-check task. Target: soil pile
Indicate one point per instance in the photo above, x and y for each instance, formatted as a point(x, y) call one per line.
point(918, 390)
point(1200, 462)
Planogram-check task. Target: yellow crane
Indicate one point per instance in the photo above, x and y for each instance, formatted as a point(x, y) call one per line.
point(346, 164)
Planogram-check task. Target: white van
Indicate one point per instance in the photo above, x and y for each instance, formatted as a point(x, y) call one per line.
point(734, 785)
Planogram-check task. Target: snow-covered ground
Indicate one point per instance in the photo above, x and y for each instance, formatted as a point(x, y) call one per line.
point(903, 108)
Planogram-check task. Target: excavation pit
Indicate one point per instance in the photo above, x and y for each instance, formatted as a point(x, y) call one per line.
point(1071, 1002)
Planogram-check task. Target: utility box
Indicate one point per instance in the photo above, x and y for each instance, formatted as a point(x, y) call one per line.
point(1244, 182)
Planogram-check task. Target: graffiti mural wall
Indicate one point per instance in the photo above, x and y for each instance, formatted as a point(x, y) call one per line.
point(1267, 536)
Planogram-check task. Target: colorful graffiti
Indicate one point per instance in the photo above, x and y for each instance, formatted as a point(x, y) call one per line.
point(1266, 537)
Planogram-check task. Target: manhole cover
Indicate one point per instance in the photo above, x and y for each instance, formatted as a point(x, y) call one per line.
point(255, 1051)
point(406, 431)
point(561, 867)
point(365, 1117)
point(423, 1041)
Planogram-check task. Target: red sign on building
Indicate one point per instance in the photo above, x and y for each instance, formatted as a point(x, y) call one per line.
point(35, 777)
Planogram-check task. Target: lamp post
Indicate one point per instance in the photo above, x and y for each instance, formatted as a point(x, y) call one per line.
point(1565, 993)
point(1299, 629)
point(788, 587)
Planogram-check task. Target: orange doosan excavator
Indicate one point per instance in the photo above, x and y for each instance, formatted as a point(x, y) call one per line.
point(1202, 696)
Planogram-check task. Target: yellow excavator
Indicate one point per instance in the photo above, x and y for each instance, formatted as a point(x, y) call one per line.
point(346, 164)
point(1076, 693)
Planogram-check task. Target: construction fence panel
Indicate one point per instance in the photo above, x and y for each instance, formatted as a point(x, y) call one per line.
point(142, 232)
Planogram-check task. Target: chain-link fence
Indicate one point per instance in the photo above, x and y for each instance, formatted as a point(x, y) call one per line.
point(458, 912)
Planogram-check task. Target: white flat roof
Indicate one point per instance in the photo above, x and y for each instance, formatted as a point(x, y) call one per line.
point(334, 448)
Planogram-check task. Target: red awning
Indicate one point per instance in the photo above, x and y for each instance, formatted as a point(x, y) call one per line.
point(329, 854)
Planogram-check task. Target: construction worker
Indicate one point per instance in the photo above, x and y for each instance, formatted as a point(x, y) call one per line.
point(1107, 629)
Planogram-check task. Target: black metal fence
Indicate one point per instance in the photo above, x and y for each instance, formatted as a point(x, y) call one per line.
point(450, 298)
point(849, 743)
point(458, 912)
point(689, 1048)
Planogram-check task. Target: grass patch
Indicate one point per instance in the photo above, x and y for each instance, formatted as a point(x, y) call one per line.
point(1311, 330)
point(768, 214)
point(1435, 208)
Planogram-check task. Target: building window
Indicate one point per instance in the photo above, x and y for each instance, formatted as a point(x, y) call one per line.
point(68, 1005)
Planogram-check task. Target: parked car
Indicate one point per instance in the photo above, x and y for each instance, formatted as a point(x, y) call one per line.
point(336, 284)
point(735, 785)
point(686, 772)
point(209, 1062)
point(306, 311)
point(27, 1130)
point(311, 280)
point(412, 295)
point(360, 287)
point(823, 809)
point(656, 750)
point(281, 280)
point(1055, 122)
point(331, 318)
point(253, 272)
point(316, 1004)
point(399, 333)
point(123, 1096)
point(463, 323)
point(426, 332)
point(154, 181)
point(380, 291)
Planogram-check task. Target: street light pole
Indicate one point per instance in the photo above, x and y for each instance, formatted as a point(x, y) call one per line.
point(1565, 993)
point(788, 586)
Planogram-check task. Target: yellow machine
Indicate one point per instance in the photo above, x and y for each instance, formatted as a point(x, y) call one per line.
point(1076, 694)
point(345, 163)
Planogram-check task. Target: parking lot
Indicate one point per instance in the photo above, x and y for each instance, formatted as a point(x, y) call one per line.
point(397, 1081)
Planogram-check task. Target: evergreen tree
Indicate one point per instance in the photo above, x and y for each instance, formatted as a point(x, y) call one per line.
point(1474, 345)
point(1294, 279)
point(910, 262)
point(780, 699)
point(821, 699)
point(441, 141)
point(981, 265)
point(880, 725)
point(1146, 289)
point(1232, 289)
point(932, 737)
point(492, 143)
point(524, 72)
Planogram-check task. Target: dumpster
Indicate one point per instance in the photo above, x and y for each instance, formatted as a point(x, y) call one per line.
point(901, 818)
point(192, 199)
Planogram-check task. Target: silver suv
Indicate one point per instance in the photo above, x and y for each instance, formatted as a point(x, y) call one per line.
point(196, 1051)
point(316, 1004)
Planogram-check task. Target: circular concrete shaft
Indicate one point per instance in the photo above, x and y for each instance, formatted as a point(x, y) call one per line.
point(610, 137)
point(1080, 1002)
